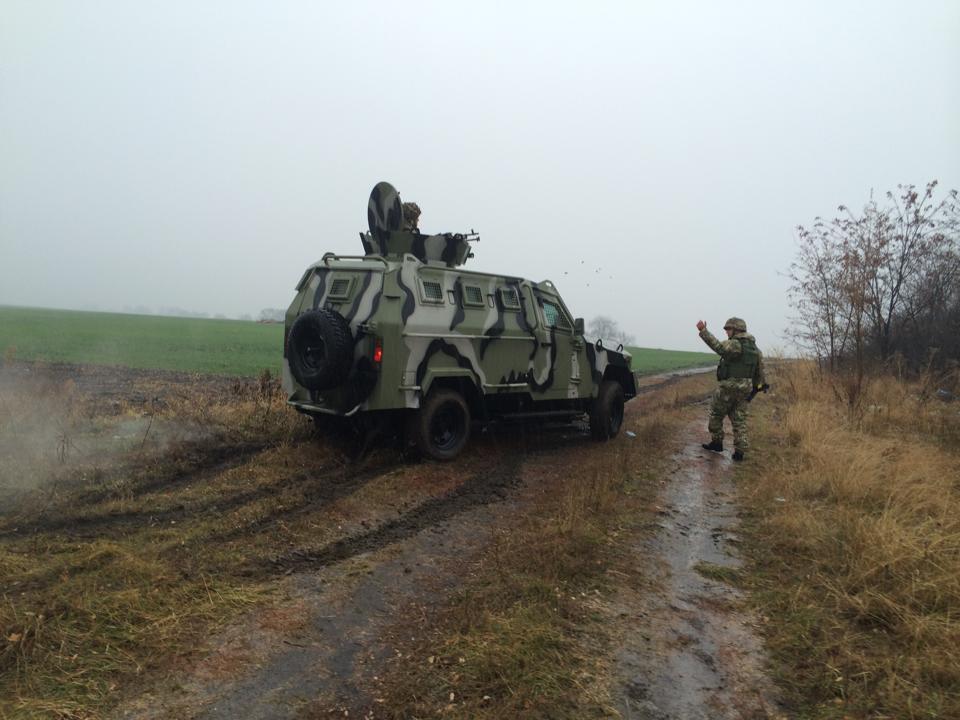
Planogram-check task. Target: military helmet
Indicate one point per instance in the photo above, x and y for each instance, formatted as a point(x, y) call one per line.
point(735, 323)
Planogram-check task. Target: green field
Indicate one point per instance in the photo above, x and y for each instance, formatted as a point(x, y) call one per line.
point(647, 361)
point(222, 347)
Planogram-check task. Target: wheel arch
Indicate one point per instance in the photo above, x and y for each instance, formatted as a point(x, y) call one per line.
point(460, 381)
point(625, 377)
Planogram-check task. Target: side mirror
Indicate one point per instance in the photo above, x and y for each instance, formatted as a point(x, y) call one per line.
point(578, 326)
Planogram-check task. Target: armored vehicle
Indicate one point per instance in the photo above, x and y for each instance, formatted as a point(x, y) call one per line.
point(403, 335)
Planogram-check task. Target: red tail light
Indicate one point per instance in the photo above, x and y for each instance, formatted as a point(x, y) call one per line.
point(377, 352)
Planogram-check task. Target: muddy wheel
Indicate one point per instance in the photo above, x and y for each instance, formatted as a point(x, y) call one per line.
point(320, 349)
point(443, 425)
point(607, 415)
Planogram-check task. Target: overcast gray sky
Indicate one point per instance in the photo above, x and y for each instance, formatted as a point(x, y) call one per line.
point(652, 159)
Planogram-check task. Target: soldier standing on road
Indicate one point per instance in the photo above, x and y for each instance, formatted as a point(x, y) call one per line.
point(411, 217)
point(739, 372)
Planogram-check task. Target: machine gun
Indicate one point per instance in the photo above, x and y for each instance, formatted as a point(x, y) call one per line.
point(758, 388)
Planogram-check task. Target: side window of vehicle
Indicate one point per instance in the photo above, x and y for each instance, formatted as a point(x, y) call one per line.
point(509, 299)
point(554, 315)
point(431, 292)
point(472, 296)
point(340, 289)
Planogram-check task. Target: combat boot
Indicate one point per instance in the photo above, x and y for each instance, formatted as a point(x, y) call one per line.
point(738, 455)
point(713, 446)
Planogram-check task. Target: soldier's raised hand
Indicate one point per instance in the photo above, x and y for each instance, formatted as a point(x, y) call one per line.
point(701, 325)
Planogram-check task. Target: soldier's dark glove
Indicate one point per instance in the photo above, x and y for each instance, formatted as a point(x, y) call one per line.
point(758, 388)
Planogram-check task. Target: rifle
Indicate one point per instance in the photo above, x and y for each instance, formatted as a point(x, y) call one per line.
point(758, 388)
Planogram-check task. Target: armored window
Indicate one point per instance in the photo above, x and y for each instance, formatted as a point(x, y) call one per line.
point(472, 295)
point(432, 291)
point(508, 296)
point(340, 288)
point(554, 315)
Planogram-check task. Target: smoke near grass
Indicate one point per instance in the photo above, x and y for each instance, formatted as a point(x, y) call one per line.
point(65, 427)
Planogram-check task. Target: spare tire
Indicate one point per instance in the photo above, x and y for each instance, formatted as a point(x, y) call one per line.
point(320, 349)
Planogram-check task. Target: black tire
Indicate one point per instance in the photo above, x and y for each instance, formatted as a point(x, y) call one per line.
point(331, 426)
point(607, 414)
point(320, 349)
point(443, 425)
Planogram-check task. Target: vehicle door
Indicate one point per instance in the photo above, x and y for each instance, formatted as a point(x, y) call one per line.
point(560, 346)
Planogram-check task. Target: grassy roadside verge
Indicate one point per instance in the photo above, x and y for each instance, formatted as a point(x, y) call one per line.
point(109, 569)
point(522, 637)
point(854, 541)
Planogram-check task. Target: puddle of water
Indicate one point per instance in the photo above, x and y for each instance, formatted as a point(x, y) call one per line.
point(694, 653)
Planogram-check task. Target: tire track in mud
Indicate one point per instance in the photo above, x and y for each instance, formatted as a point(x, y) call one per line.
point(483, 488)
point(328, 660)
point(321, 489)
point(53, 518)
point(207, 460)
point(326, 487)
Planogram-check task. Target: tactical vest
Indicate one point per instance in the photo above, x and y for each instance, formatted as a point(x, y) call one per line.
point(744, 366)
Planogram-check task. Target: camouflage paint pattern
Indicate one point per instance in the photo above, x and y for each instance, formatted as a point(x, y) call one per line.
point(384, 209)
point(506, 335)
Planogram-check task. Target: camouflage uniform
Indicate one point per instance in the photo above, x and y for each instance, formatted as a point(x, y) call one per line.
point(730, 397)
point(411, 217)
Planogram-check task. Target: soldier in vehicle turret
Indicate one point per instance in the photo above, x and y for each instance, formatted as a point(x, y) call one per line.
point(411, 217)
point(740, 372)
point(406, 341)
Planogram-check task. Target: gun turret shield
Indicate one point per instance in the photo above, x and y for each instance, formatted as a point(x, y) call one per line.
point(384, 211)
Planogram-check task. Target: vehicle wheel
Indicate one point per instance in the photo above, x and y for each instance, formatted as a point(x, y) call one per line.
point(443, 425)
point(607, 415)
point(320, 349)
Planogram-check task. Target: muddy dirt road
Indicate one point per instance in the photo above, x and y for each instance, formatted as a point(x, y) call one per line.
point(360, 556)
point(686, 650)
point(690, 649)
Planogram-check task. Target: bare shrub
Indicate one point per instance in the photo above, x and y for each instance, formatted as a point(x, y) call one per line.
point(883, 280)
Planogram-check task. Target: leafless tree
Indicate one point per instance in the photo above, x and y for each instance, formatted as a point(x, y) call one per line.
point(817, 292)
point(607, 329)
point(883, 280)
point(909, 243)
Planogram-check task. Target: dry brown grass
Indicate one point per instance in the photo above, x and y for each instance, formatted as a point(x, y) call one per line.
point(512, 642)
point(107, 569)
point(856, 546)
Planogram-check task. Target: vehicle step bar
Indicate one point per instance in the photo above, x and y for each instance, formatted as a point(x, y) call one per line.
point(540, 414)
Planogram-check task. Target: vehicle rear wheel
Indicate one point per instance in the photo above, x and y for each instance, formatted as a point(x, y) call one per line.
point(607, 414)
point(320, 349)
point(443, 425)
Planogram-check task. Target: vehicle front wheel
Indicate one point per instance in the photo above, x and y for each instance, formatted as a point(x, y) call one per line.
point(607, 414)
point(443, 425)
